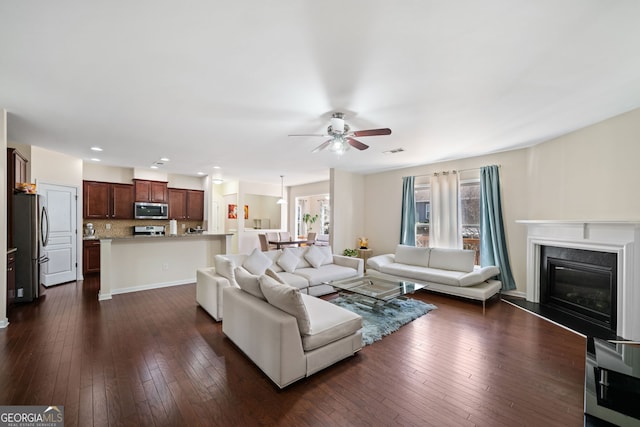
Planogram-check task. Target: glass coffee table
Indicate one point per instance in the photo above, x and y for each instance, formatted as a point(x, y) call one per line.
point(372, 290)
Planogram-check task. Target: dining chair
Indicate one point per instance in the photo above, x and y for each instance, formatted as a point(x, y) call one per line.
point(285, 236)
point(272, 237)
point(311, 238)
point(264, 245)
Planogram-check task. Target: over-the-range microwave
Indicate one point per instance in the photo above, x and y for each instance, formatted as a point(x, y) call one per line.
point(144, 210)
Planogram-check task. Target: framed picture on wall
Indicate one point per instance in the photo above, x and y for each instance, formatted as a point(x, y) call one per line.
point(232, 211)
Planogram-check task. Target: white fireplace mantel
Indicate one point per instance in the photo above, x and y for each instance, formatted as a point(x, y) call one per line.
point(620, 237)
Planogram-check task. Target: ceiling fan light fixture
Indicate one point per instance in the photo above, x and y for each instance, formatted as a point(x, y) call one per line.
point(281, 200)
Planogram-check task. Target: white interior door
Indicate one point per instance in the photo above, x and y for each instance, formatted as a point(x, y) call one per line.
point(61, 203)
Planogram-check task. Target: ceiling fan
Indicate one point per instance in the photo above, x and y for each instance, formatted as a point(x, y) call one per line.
point(341, 137)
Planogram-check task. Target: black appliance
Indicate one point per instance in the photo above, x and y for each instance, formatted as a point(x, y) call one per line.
point(30, 237)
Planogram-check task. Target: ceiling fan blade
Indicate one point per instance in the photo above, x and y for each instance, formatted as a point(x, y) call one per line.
point(357, 144)
point(321, 146)
point(306, 134)
point(372, 132)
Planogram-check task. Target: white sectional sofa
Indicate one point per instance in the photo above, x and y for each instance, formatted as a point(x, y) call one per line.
point(449, 271)
point(306, 268)
point(288, 334)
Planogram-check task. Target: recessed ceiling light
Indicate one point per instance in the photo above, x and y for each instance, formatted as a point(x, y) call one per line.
point(95, 160)
point(164, 159)
point(217, 181)
point(200, 173)
point(216, 167)
point(153, 167)
point(96, 148)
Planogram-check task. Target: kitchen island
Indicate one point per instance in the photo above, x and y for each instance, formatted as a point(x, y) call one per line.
point(136, 263)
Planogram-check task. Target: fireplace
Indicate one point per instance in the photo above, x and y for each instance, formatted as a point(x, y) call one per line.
point(619, 239)
point(581, 283)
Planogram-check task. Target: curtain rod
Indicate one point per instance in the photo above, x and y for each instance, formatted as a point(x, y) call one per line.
point(453, 171)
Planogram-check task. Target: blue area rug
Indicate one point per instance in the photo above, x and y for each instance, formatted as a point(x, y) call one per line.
point(383, 320)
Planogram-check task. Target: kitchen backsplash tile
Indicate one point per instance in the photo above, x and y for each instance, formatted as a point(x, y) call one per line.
point(124, 227)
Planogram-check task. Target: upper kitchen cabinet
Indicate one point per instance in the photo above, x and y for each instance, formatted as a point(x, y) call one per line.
point(195, 205)
point(177, 203)
point(107, 200)
point(151, 191)
point(16, 169)
point(186, 204)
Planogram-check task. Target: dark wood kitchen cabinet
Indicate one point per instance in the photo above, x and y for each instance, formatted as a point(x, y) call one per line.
point(16, 172)
point(11, 278)
point(151, 191)
point(186, 204)
point(106, 200)
point(195, 205)
point(90, 256)
point(177, 203)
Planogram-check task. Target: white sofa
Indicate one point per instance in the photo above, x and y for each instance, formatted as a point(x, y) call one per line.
point(306, 268)
point(449, 271)
point(289, 335)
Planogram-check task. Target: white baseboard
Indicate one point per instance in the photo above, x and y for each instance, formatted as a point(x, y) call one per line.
point(103, 296)
point(4, 323)
point(514, 293)
point(152, 286)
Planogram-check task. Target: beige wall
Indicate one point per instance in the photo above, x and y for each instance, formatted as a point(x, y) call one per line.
point(55, 168)
point(588, 174)
point(592, 173)
point(347, 209)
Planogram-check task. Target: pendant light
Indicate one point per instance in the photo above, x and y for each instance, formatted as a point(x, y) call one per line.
point(281, 201)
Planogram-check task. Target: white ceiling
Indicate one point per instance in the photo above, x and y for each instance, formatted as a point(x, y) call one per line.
point(207, 82)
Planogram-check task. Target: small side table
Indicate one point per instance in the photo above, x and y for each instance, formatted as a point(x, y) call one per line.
point(365, 254)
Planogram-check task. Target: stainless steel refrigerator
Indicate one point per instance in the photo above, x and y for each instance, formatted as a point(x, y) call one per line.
point(30, 236)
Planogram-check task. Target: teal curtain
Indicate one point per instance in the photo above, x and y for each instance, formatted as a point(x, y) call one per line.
point(408, 220)
point(493, 241)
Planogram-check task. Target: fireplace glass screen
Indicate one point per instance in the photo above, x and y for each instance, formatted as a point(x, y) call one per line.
point(581, 282)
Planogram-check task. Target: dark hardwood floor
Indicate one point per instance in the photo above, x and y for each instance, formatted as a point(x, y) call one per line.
point(156, 358)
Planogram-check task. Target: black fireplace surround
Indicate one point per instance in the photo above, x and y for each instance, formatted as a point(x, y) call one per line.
point(581, 283)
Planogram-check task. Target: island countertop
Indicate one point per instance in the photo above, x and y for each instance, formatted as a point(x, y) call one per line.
point(165, 237)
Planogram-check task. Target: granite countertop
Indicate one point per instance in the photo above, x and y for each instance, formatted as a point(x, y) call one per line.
point(184, 235)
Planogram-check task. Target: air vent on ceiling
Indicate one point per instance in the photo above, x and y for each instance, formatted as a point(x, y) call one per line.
point(394, 151)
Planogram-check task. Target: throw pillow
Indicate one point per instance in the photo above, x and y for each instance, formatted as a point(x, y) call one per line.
point(288, 260)
point(248, 282)
point(288, 299)
point(412, 255)
point(273, 274)
point(328, 255)
point(315, 256)
point(257, 262)
point(224, 267)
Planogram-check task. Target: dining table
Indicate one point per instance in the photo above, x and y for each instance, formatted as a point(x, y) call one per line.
point(294, 242)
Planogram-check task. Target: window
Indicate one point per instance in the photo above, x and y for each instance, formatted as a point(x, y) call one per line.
point(470, 213)
point(423, 214)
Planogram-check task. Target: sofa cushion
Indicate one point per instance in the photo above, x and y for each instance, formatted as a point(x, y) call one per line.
point(451, 259)
point(224, 267)
point(273, 256)
point(286, 298)
point(327, 273)
point(424, 274)
point(271, 273)
point(315, 256)
point(288, 260)
point(248, 282)
point(329, 323)
point(412, 255)
point(294, 280)
point(257, 262)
